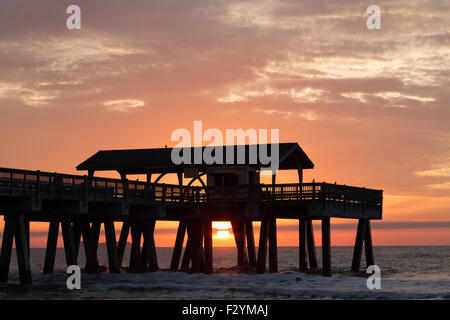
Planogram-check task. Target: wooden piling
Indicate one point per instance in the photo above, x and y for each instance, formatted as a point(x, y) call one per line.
point(357, 251)
point(208, 244)
point(50, 250)
point(148, 260)
point(273, 258)
point(143, 260)
point(250, 243)
point(111, 246)
point(195, 232)
point(178, 247)
point(368, 245)
point(7, 243)
point(123, 240)
point(85, 232)
point(326, 247)
point(262, 249)
point(69, 242)
point(92, 264)
point(185, 263)
point(302, 245)
point(311, 244)
point(135, 252)
point(27, 233)
point(239, 237)
point(76, 227)
point(23, 258)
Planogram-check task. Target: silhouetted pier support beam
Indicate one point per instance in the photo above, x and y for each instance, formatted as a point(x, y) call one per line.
point(111, 246)
point(363, 237)
point(326, 247)
point(178, 247)
point(92, 265)
point(50, 251)
point(250, 243)
point(16, 226)
point(80, 229)
point(7, 242)
point(208, 244)
point(148, 260)
point(69, 242)
point(273, 256)
point(185, 263)
point(239, 237)
point(135, 252)
point(123, 240)
point(311, 244)
point(267, 234)
point(195, 234)
point(302, 245)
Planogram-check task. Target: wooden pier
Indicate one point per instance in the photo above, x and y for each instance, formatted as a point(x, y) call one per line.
point(80, 205)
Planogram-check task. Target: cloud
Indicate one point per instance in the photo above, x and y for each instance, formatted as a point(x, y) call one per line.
point(440, 186)
point(123, 105)
point(441, 172)
point(306, 115)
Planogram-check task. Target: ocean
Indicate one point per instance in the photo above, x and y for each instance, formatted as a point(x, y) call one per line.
point(406, 273)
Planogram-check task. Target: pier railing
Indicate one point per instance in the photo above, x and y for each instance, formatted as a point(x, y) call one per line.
point(24, 183)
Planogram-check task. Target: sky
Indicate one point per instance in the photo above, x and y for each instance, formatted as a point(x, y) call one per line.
point(369, 107)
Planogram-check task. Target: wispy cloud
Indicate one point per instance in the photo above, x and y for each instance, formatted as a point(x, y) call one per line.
point(441, 172)
point(440, 186)
point(123, 105)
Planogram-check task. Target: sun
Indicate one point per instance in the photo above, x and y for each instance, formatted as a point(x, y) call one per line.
point(222, 230)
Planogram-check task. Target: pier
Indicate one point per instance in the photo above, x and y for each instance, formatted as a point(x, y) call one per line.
point(79, 205)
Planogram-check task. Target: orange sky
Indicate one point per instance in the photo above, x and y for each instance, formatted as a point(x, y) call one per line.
point(369, 107)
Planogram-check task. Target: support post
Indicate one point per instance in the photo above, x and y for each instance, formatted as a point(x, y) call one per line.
point(85, 232)
point(187, 252)
point(326, 247)
point(123, 240)
point(239, 237)
point(149, 260)
point(50, 251)
point(23, 259)
point(311, 244)
point(195, 231)
point(302, 245)
point(111, 246)
point(76, 227)
point(7, 242)
point(178, 246)
point(208, 243)
point(69, 242)
point(357, 251)
point(368, 245)
point(273, 259)
point(262, 249)
point(135, 247)
point(250, 243)
point(91, 256)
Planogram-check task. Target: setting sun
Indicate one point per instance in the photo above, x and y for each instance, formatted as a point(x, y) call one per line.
point(222, 230)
